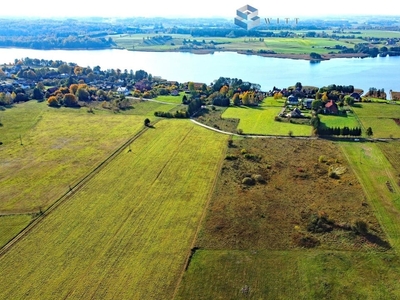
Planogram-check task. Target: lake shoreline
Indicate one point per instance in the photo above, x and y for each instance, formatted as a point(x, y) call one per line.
point(272, 55)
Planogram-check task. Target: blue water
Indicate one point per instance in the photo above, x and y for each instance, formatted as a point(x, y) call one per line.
point(379, 72)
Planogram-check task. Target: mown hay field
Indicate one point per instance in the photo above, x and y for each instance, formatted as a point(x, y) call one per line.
point(59, 146)
point(127, 233)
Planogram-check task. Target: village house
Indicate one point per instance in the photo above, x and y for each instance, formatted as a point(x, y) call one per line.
point(331, 108)
point(292, 100)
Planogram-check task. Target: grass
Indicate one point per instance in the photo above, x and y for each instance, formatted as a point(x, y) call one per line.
point(12, 225)
point(227, 274)
point(56, 152)
point(271, 102)
point(248, 246)
point(279, 45)
point(127, 233)
point(367, 159)
point(260, 120)
point(276, 214)
point(171, 99)
point(380, 117)
point(339, 121)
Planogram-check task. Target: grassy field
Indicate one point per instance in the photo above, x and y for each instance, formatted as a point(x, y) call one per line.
point(339, 121)
point(171, 99)
point(59, 147)
point(380, 117)
point(377, 176)
point(11, 225)
point(249, 244)
point(290, 275)
point(260, 120)
point(127, 233)
point(279, 45)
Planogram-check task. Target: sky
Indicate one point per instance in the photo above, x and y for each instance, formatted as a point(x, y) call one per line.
point(191, 9)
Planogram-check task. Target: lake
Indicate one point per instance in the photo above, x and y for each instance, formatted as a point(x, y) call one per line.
point(379, 72)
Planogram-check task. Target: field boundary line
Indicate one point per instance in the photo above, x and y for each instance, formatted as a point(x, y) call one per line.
point(200, 223)
point(73, 189)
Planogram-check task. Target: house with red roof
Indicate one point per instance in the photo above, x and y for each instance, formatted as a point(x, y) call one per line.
point(331, 108)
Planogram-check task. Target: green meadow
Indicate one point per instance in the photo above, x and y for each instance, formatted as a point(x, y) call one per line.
point(127, 233)
point(261, 120)
point(380, 117)
point(340, 121)
point(291, 275)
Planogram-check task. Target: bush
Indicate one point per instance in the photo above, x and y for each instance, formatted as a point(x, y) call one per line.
point(306, 241)
point(360, 227)
point(258, 178)
point(248, 181)
point(252, 157)
point(320, 223)
point(231, 157)
point(240, 131)
point(53, 102)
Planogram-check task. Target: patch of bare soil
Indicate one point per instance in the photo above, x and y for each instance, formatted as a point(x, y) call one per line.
point(288, 193)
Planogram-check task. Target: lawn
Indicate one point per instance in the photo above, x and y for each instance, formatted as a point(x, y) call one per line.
point(380, 117)
point(260, 120)
point(171, 99)
point(127, 233)
point(339, 121)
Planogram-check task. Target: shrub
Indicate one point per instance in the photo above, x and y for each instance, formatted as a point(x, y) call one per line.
point(243, 151)
point(230, 143)
point(360, 227)
point(306, 241)
point(231, 157)
point(258, 178)
point(333, 174)
point(322, 159)
point(252, 157)
point(52, 101)
point(320, 223)
point(248, 181)
point(240, 131)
